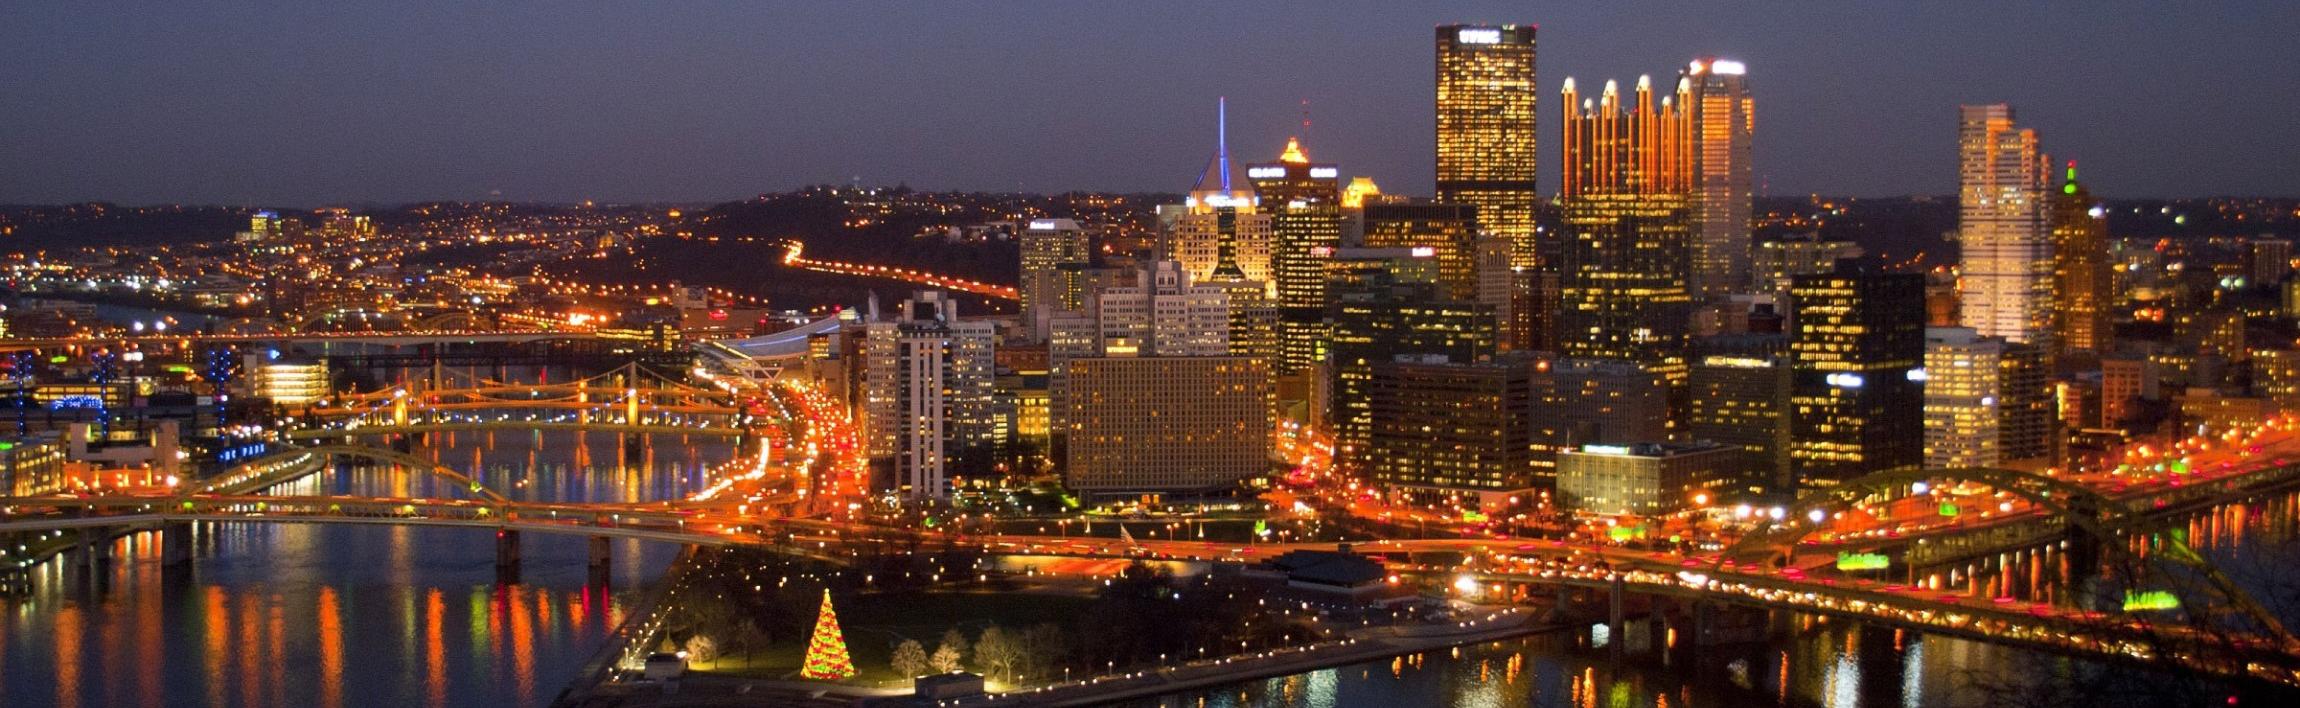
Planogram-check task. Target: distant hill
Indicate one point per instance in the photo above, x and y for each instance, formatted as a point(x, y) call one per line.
point(25, 229)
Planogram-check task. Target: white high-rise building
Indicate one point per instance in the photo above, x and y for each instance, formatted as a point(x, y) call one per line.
point(2008, 258)
point(1724, 123)
point(928, 382)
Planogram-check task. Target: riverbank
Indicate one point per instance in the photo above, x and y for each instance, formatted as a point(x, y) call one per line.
point(1362, 645)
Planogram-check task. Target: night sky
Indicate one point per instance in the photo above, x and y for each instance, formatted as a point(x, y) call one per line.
point(301, 103)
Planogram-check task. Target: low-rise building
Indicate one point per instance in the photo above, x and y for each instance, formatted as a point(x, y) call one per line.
point(1645, 479)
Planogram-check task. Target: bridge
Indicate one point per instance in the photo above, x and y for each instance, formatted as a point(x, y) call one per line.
point(793, 256)
point(630, 399)
point(396, 338)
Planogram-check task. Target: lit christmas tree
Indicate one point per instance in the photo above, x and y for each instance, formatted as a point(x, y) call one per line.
point(827, 651)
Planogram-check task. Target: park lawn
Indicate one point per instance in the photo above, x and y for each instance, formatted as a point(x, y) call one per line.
point(874, 623)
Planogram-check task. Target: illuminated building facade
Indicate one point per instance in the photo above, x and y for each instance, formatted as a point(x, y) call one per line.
point(1304, 203)
point(1467, 263)
point(1161, 314)
point(1220, 232)
point(32, 466)
point(2008, 254)
point(2081, 271)
point(1054, 263)
point(928, 390)
point(1462, 432)
point(1486, 129)
point(1774, 262)
point(1724, 123)
point(1625, 254)
point(1856, 407)
point(1166, 424)
point(1740, 387)
point(1645, 479)
point(289, 380)
point(1382, 320)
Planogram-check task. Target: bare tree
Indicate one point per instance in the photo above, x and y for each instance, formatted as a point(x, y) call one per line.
point(996, 653)
point(945, 660)
point(909, 659)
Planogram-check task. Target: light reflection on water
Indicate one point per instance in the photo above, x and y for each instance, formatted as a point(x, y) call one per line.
point(332, 616)
point(1815, 663)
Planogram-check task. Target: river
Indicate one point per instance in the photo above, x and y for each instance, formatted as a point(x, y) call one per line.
point(319, 615)
point(1834, 663)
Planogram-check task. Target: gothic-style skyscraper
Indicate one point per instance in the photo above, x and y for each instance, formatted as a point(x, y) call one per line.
point(1625, 252)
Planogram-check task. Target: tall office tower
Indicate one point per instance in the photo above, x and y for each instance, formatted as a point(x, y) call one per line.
point(2081, 271)
point(1777, 260)
point(1054, 262)
point(1220, 223)
point(1381, 320)
point(1454, 431)
point(2008, 256)
point(927, 391)
point(1724, 122)
point(1592, 401)
point(1985, 400)
point(1740, 396)
point(1166, 424)
point(1855, 405)
point(1304, 203)
point(1450, 234)
point(1625, 254)
point(1486, 118)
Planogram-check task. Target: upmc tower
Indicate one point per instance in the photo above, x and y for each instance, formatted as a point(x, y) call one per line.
point(1485, 130)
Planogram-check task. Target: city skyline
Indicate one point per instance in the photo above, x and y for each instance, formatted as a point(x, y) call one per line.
point(311, 106)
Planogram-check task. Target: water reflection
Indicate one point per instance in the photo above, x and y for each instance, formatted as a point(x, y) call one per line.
point(337, 615)
point(1818, 662)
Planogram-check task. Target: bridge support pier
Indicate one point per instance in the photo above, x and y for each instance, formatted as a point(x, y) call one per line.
point(602, 565)
point(95, 547)
point(507, 556)
point(176, 543)
point(1616, 626)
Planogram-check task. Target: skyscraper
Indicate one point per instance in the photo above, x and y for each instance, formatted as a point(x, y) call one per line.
point(1855, 406)
point(1462, 431)
point(1983, 400)
point(1223, 239)
point(1054, 262)
point(1724, 122)
point(1486, 119)
point(1625, 254)
point(1740, 396)
point(1449, 232)
point(2081, 270)
point(1304, 202)
point(1220, 232)
point(2008, 255)
point(927, 391)
point(1380, 320)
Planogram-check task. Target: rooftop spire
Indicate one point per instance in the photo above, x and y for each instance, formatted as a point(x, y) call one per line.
point(1293, 154)
point(2069, 187)
point(1222, 136)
